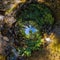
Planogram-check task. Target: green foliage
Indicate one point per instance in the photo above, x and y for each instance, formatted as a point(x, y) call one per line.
point(37, 12)
point(31, 45)
point(36, 15)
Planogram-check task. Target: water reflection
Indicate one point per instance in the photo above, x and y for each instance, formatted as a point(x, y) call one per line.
point(30, 28)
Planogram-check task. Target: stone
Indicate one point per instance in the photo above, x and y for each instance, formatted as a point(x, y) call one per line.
point(1, 17)
point(5, 38)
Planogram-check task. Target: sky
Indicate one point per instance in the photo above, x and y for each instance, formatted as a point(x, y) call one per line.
point(30, 28)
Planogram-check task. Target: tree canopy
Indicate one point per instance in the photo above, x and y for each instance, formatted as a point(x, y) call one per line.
point(32, 20)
